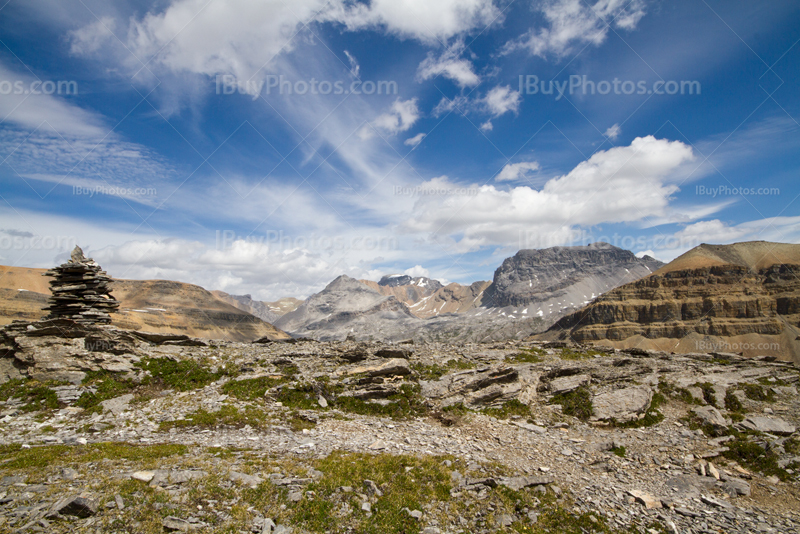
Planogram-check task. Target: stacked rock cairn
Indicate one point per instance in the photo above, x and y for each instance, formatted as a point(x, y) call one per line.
point(80, 291)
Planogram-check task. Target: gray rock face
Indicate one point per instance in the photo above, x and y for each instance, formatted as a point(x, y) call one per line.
point(343, 305)
point(622, 405)
point(76, 505)
point(773, 425)
point(566, 273)
point(711, 416)
point(396, 280)
point(565, 384)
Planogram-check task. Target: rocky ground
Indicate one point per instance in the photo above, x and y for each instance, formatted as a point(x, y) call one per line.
point(111, 431)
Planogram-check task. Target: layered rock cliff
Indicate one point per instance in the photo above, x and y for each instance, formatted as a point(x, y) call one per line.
point(719, 291)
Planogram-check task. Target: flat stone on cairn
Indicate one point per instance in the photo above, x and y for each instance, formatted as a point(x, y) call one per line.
point(80, 291)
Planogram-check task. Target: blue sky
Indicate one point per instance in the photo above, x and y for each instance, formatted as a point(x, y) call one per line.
point(268, 147)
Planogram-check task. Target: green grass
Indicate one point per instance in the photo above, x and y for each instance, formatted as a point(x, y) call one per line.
point(758, 393)
point(577, 403)
point(183, 375)
point(753, 456)
point(509, 408)
point(109, 385)
point(531, 355)
point(674, 392)
point(427, 480)
point(16, 457)
point(35, 395)
point(405, 404)
point(227, 415)
point(435, 371)
point(252, 388)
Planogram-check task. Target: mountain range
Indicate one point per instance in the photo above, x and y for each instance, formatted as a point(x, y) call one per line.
point(741, 298)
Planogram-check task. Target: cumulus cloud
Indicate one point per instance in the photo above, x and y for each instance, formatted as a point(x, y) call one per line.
point(575, 23)
point(414, 141)
point(515, 171)
point(423, 20)
point(241, 37)
point(417, 271)
point(622, 184)
point(400, 118)
point(487, 126)
point(613, 132)
point(449, 65)
point(501, 100)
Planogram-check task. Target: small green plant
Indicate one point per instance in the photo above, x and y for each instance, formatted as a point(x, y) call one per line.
point(758, 393)
point(708, 393)
point(674, 392)
point(577, 403)
point(652, 415)
point(619, 451)
point(733, 404)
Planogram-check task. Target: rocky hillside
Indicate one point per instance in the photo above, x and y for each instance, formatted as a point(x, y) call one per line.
point(742, 298)
point(154, 305)
point(344, 306)
point(164, 434)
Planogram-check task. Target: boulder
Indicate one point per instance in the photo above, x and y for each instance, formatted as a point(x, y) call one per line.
point(773, 425)
point(710, 416)
point(565, 384)
point(622, 405)
point(76, 505)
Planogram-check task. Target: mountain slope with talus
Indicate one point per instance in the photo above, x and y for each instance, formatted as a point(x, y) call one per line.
point(743, 298)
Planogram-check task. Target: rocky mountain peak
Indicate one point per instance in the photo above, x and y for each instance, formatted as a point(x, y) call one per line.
point(399, 280)
point(534, 275)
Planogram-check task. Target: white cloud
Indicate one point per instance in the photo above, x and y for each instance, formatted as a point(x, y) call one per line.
point(501, 100)
point(241, 37)
point(515, 171)
point(487, 126)
point(613, 132)
point(49, 113)
point(424, 20)
point(620, 185)
point(449, 65)
point(574, 23)
point(400, 118)
point(643, 253)
point(417, 271)
point(414, 141)
point(355, 68)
